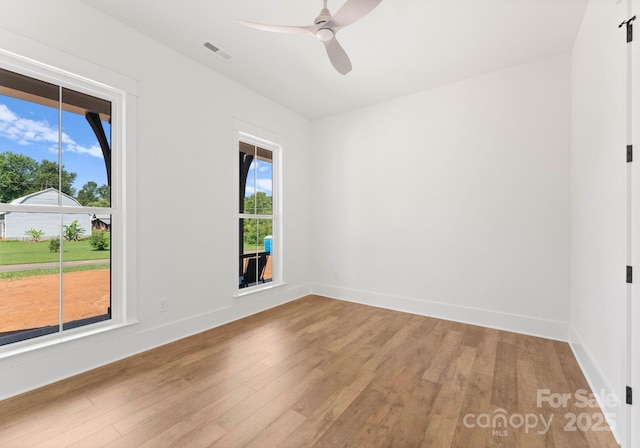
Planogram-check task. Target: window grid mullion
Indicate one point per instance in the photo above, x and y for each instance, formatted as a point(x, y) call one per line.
point(255, 180)
point(61, 217)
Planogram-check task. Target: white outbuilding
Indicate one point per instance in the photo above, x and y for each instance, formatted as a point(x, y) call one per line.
point(13, 225)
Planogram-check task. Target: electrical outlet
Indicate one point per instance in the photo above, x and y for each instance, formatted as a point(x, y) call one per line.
point(164, 305)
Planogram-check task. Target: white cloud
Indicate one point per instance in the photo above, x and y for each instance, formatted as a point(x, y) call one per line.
point(25, 131)
point(94, 151)
point(6, 114)
point(264, 185)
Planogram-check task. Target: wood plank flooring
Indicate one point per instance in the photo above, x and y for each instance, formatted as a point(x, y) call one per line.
point(317, 373)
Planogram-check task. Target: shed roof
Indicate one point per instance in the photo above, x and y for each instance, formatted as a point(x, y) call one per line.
point(24, 199)
point(102, 217)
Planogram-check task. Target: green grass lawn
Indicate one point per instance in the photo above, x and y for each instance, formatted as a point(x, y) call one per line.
point(22, 252)
point(252, 248)
point(34, 272)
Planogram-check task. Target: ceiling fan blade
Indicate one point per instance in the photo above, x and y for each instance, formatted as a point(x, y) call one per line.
point(352, 11)
point(280, 29)
point(338, 56)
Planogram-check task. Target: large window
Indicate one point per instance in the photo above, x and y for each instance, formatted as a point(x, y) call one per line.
point(258, 235)
point(56, 208)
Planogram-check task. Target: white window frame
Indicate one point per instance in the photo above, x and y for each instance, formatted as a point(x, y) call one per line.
point(37, 61)
point(257, 137)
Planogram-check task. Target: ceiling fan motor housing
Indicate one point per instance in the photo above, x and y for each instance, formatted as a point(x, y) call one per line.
point(323, 17)
point(324, 34)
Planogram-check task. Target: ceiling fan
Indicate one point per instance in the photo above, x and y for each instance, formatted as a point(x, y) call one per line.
point(325, 27)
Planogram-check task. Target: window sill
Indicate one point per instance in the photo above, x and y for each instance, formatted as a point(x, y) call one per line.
point(31, 345)
point(256, 289)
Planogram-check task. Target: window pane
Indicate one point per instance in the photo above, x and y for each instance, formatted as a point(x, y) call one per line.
point(251, 232)
point(28, 137)
point(86, 146)
point(265, 250)
point(247, 186)
point(247, 267)
point(29, 275)
point(86, 279)
point(256, 261)
point(264, 186)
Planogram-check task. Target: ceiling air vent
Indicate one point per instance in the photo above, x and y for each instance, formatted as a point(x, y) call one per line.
point(217, 51)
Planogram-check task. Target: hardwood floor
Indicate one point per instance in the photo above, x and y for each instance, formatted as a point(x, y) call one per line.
point(318, 372)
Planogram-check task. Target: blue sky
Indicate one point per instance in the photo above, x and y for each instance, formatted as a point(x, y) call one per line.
point(32, 129)
point(260, 178)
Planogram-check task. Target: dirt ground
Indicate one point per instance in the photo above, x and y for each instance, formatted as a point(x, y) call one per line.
point(32, 302)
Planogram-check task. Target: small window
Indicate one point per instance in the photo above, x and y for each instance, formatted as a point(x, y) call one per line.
point(258, 262)
point(55, 208)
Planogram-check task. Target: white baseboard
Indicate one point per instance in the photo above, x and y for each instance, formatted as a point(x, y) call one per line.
point(502, 321)
point(611, 402)
point(242, 307)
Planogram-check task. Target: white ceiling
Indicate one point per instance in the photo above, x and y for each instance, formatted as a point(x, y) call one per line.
point(403, 46)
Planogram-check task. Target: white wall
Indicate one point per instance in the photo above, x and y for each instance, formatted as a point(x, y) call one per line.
point(452, 202)
point(184, 167)
point(599, 200)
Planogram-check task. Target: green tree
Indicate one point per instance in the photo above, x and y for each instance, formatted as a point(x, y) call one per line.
point(46, 176)
point(104, 196)
point(256, 229)
point(258, 203)
point(16, 175)
point(91, 195)
point(21, 175)
point(87, 193)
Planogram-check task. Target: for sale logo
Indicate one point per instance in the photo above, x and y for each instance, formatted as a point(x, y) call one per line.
point(583, 400)
point(500, 421)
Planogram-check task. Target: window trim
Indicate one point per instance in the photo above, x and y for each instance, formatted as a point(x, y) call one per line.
point(274, 143)
point(50, 65)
